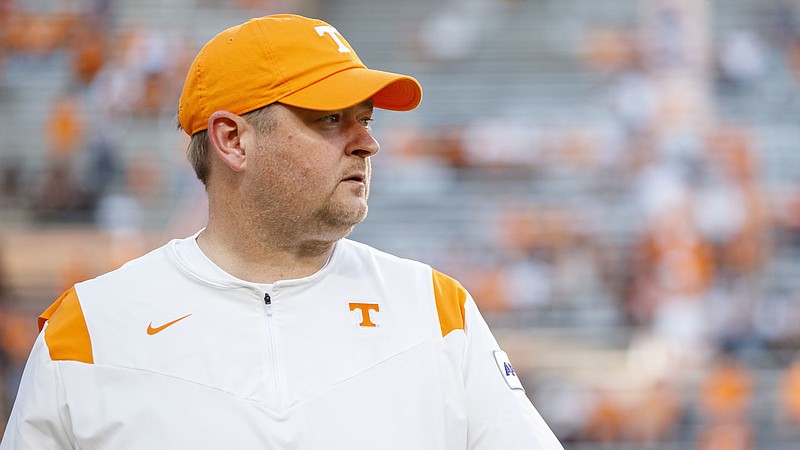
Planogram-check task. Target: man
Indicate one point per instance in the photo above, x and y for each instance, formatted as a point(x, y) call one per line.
point(268, 329)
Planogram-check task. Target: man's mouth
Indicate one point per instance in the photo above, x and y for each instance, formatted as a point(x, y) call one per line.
point(355, 178)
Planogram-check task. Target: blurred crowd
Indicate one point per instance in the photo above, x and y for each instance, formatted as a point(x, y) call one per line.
point(114, 76)
point(672, 226)
point(699, 264)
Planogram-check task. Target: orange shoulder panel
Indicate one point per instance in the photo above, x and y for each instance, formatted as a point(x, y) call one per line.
point(450, 299)
point(66, 335)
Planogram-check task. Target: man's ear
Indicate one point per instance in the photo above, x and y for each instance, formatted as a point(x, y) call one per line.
point(225, 131)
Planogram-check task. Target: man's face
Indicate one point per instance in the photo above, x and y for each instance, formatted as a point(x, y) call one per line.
point(312, 170)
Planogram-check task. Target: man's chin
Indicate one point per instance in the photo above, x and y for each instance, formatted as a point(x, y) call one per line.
point(344, 217)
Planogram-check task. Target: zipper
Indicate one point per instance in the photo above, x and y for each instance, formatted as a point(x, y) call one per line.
point(268, 302)
point(271, 336)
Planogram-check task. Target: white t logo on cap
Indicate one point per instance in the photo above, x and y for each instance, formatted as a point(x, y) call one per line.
point(330, 31)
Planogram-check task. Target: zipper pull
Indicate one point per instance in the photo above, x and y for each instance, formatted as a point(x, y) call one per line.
point(268, 302)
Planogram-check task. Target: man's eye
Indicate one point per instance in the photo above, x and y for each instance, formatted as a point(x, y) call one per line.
point(332, 118)
point(367, 122)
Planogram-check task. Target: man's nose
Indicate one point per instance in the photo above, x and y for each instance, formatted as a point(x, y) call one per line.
point(361, 142)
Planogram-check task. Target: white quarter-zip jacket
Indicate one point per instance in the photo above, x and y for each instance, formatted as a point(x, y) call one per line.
point(372, 352)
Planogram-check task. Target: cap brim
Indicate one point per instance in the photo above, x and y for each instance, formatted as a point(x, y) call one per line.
point(352, 86)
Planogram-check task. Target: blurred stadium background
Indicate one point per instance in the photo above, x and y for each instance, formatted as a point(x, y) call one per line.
point(617, 183)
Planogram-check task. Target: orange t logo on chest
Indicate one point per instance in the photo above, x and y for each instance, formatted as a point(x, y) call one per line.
point(365, 308)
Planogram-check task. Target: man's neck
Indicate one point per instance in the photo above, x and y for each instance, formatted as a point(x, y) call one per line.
point(262, 260)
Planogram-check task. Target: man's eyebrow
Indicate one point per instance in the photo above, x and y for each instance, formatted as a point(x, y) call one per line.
point(367, 106)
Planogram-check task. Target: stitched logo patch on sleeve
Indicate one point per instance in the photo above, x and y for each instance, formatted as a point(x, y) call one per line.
point(507, 370)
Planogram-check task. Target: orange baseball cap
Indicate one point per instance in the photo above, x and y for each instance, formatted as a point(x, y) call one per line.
point(289, 59)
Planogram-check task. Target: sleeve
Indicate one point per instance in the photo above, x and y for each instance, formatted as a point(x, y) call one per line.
point(500, 415)
point(40, 417)
point(37, 419)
